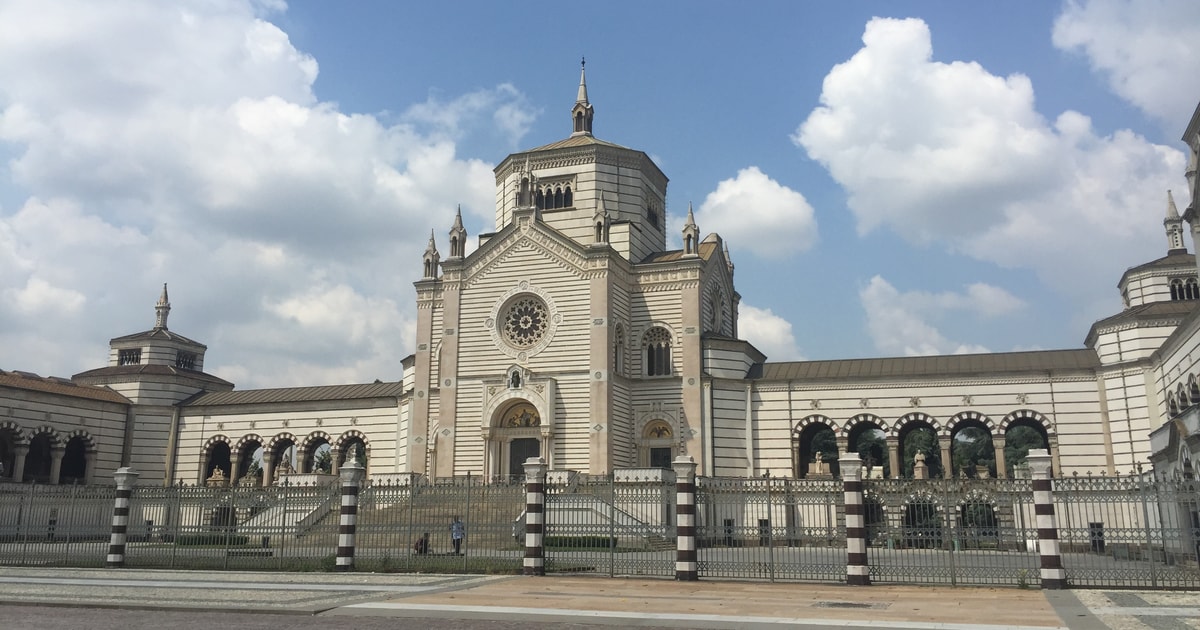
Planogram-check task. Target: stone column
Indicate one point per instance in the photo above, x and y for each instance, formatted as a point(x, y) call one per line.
point(686, 565)
point(235, 467)
point(893, 447)
point(351, 474)
point(19, 453)
point(857, 571)
point(126, 478)
point(1054, 576)
point(947, 462)
point(535, 516)
point(1001, 466)
point(56, 456)
point(268, 468)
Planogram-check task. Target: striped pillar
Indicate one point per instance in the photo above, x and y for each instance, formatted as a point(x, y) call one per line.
point(857, 571)
point(535, 516)
point(1054, 576)
point(126, 478)
point(686, 564)
point(351, 473)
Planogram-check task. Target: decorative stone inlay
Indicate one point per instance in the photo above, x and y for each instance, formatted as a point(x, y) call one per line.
point(354, 420)
point(968, 400)
point(815, 404)
point(864, 402)
point(915, 401)
point(220, 426)
point(285, 423)
point(598, 427)
point(252, 424)
point(320, 422)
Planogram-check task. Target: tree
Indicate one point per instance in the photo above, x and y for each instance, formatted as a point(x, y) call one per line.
point(973, 447)
point(825, 443)
point(872, 449)
point(323, 459)
point(1017, 443)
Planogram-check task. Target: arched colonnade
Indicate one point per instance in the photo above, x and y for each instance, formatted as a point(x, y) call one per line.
point(238, 459)
point(883, 443)
point(45, 455)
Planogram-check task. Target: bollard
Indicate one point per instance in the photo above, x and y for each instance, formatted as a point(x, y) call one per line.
point(686, 564)
point(1054, 576)
point(857, 571)
point(351, 473)
point(125, 478)
point(535, 516)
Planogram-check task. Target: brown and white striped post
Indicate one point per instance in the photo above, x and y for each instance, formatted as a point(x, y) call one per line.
point(125, 478)
point(535, 516)
point(857, 571)
point(351, 473)
point(1054, 576)
point(686, 564)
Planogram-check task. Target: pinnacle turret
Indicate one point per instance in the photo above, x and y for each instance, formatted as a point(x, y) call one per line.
point(161, 310)
point(582, 112)
point(1174, 227)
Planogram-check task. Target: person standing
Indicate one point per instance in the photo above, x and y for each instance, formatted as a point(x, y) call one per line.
point(457, 531)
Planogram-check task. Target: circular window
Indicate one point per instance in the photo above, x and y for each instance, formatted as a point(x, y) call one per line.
point(525, 322)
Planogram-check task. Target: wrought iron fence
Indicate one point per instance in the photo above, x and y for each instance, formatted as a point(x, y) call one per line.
point(47, 525)
point(1131, 531)
point(619, 524)
point(771, 529)
point(1114, 531)
point(410, 523)
point(951, 531)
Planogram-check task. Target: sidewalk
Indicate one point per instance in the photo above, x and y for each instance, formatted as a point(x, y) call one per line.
point(625, 602)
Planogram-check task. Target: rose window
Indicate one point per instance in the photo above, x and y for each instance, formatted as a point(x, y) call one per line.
point(525, 322)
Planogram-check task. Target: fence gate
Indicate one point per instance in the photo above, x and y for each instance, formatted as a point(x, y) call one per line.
point(55, 525)
point(772, 529)
point(281, 527)
point(623, 524)
point(953, 531)
point(1129, 531)
point(407, 524)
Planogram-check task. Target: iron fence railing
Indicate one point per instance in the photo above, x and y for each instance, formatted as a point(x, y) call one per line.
point(1133, 531)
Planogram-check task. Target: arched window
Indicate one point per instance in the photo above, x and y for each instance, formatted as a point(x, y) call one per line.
point(558, 198)
point(657, 345)
point(651, 215)
point(1191, 289)
point(619, 351)
point(578, 121)
point(541, 200)
point(568, 200)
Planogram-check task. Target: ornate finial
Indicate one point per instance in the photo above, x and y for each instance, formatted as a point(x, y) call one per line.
point(582, 62)
point(691, 218)
point(161, 310)
point(458, 224)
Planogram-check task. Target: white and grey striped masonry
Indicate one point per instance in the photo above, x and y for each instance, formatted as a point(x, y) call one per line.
point(351, 473)
point(857, 571)
point(1054, 576)
point(535, 516)
point(686, 564)
point(125, 478)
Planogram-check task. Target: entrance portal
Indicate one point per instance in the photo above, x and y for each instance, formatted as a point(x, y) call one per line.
point(519, 450)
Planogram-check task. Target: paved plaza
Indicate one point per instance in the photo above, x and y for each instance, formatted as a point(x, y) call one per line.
point(585, 600)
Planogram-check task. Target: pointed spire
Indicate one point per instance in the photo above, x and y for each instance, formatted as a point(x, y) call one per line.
point(458, 236)
point(582, 112)
point(691, 234)
point(161, 310)
point(1174, 227)
point(728, 258)
point(581, 97)
point(431, 258)
point(600, 221)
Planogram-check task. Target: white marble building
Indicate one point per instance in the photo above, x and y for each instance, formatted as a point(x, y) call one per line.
point(572, 333)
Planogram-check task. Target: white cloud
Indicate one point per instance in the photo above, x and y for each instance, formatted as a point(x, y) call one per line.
point(768, 332)
point(1147, 49)
point(948, 153)
point(211, 164)
point(756, 214)
point(906, 323)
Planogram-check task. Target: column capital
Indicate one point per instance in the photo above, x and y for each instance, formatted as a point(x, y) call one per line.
point(850, 466)
point(685, 467)
point(1039, 463)
point(125, 477)
point(535, 468)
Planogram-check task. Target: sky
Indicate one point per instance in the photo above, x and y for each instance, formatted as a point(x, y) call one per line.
point(892, 178)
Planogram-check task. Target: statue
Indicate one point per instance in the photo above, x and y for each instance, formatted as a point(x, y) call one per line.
point(217, 479)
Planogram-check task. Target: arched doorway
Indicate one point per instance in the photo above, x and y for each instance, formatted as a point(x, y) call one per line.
point(656, 446)
point(516, 436)
point(217, 458)
point(38, 461)
point(75, 460)
point(8, 451)
point(1021, 436)
point(868, 440)
point(248, 461)
point(918, 436)
point(816, 451)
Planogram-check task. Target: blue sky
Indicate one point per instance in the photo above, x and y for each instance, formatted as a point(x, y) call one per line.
point(892, 177)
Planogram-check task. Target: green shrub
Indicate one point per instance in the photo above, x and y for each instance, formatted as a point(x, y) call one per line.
point(212, 539)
